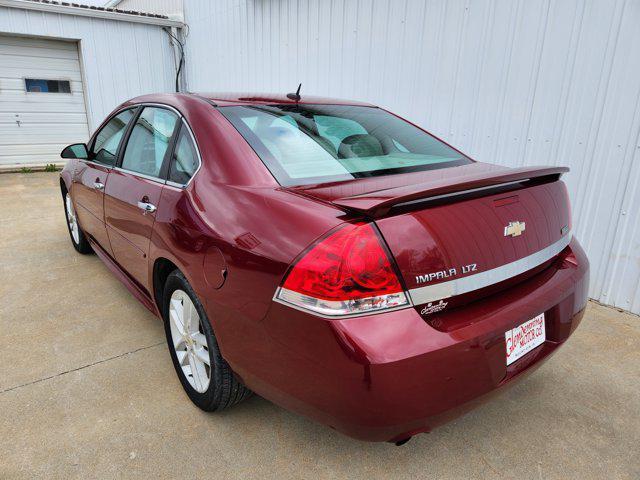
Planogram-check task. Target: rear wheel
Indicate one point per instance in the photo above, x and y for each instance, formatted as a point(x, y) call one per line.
point(204, 374)
point(78, 239)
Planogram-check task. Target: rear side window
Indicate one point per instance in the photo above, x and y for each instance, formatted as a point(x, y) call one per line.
point(149, 141)
point(105, 145)
point(306, 144)
point(185, 160)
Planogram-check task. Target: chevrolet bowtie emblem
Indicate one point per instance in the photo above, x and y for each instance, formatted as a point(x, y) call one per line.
point(514, 229)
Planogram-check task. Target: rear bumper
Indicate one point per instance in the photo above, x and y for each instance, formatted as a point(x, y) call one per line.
point(385, 377)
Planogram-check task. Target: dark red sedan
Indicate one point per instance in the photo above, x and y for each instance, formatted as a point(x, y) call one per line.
point(328, 255)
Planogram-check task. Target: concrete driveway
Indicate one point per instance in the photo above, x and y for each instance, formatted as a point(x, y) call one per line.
point(87, 389)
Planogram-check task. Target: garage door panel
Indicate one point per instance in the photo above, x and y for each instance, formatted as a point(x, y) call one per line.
point(38, 150)
point(25, 136)
point(38, 42)
point(42, 117)
point(36, 129)
point(23, 97)
point(42, 52)
point(34, 107)
point(17, 85)
point(47, 121)
point(30, 160)
point(33, 72)
point(16, 61)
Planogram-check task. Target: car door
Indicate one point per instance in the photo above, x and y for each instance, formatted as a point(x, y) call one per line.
point(91, 176)
point(133, 190)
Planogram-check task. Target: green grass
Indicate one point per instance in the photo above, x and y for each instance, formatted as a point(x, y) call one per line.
point(49, 167)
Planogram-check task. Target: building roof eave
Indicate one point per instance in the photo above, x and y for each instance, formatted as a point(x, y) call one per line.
point(67, 8)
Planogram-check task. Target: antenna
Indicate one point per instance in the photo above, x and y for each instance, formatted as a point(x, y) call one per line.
point(295, 96)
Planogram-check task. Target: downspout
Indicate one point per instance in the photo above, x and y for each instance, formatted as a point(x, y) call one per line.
point(176, 40)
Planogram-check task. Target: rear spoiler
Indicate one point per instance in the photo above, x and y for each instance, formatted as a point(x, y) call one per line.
point(381, 201)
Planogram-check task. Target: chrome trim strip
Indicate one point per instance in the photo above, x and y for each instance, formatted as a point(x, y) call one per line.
point(174, 184)
point(97, 164)
point(140, 175)
point(439, 291)
point(461, 192)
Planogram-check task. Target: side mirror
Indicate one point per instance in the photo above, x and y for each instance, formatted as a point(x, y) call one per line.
point(77, 150)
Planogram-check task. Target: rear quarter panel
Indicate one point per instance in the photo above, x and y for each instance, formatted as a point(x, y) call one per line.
point(253, 232)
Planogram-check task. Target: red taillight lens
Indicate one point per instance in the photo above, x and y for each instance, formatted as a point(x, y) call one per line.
point(348, 272)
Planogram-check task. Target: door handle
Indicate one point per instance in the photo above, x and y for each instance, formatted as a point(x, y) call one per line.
point(146, 207)
point(98, 185)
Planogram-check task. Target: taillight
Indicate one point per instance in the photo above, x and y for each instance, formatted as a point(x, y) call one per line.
point(349, 272)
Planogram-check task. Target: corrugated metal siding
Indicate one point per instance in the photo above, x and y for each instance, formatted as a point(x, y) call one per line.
point(120, 59)
point(509, 82)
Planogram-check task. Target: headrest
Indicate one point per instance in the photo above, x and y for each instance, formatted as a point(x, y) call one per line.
point(360, 145)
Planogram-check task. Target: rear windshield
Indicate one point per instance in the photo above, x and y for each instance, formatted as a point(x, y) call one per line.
point(305, 144)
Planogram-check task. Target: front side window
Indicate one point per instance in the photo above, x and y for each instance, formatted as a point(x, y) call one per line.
point(185, 159)
point(306, 144)
point(105, 145)
point(149, 141)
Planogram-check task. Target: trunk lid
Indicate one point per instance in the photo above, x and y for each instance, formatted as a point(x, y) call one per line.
point(456, 233)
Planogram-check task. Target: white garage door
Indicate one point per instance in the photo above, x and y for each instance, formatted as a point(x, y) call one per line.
point(41, 100)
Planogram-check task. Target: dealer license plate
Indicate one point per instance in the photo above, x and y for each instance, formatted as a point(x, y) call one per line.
point(524, 338)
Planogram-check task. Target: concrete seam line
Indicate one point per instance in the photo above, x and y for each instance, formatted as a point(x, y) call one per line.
point(82, 367)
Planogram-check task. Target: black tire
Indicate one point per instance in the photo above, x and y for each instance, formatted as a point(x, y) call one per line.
point(224, 390)
point(82, 245)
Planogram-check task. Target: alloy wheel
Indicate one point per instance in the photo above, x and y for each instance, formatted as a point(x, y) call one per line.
point(71, 219)
point(189, 341)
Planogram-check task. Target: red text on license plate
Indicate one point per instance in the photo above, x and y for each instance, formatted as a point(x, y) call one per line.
point(524, 338)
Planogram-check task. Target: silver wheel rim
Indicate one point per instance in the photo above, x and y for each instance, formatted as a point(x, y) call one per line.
point(189, 341)
point(71, 219)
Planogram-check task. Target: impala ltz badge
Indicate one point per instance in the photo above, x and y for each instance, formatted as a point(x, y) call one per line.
point(444, 274)
point(514, 229)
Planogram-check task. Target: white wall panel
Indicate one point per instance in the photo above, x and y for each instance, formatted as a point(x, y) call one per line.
point(120, 59)
point(514, 82)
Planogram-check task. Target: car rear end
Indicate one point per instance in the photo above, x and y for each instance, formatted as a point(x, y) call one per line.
point(443, 285)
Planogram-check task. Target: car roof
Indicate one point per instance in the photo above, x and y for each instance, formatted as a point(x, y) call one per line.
point(234, 98)
point(222, 99)
point(254, 98)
